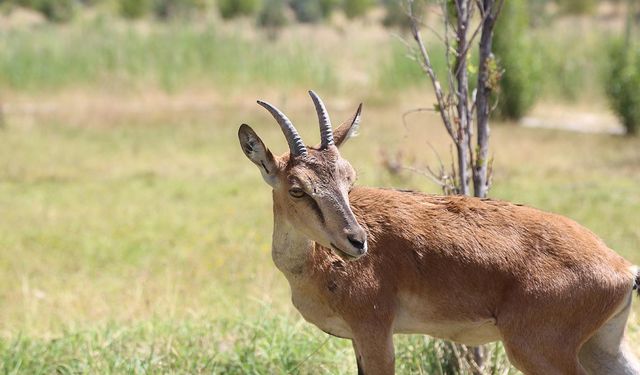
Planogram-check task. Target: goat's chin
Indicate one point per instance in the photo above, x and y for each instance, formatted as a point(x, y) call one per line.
point(343, 254)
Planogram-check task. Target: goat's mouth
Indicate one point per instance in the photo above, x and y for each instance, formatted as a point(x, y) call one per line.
point(343, 254)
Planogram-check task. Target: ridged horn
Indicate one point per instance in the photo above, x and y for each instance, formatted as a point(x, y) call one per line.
point(296, 146)
point(326, 132)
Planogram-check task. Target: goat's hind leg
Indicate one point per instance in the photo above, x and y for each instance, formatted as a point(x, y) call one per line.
point(606, 352)
point(532, 361)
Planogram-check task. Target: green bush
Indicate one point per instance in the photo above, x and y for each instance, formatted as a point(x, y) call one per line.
point(133, 9)
point(396, 14)
point(356, 8)
point(308, 11)
point(235, 8)
point(327, 7)
point(55, 10)
point(272, 16)
point(169, 9)
point(518, 86)
point(623, 84)
point(577, 6)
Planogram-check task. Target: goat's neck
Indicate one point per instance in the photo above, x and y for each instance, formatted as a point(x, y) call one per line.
point(290, 248)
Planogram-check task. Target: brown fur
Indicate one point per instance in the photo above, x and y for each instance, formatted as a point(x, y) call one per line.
point(543, 278)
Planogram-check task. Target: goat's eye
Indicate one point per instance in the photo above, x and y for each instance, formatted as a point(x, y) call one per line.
point(296, 192)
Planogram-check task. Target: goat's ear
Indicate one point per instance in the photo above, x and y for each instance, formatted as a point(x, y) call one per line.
point(258, 153)
point(348, 128)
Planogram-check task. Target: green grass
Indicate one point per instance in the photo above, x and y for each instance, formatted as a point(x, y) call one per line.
point(580, 77)
point(169, 56)
point(142, 246)
point(272, 344)
point(140, 243)
point(121, 57)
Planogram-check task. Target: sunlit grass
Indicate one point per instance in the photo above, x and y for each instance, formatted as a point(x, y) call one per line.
point(143, 246)
point(114, 56)
point(169, 56)
point(140, 242)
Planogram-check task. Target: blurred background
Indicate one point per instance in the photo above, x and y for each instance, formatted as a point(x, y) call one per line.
point(134, 234)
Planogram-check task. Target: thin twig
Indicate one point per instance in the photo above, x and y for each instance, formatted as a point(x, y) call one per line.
point(433, 177)
point(310, 355)
point(428, 68)
point(415, 110)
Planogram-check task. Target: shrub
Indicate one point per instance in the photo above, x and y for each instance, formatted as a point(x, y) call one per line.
point(327, 7)
point(356, 8)
point(396, 14)
point(235, 8)
point(272, 16)
point(623, 84)
point(168, 9)
point(308, 11)
point(55, 10)
point(577, 6)
point(133, 9)
point(518, 84)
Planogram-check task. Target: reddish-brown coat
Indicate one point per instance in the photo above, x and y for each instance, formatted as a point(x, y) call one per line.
point(474, 259)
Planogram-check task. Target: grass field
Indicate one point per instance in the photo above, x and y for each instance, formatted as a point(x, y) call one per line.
point(135, 236)
point(139, 245)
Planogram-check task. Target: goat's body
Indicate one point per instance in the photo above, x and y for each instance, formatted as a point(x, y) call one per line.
point(464, 269)
point(473, 271)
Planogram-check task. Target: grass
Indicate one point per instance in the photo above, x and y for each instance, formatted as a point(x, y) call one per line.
point(123, 57)
point(141, 244)
point(139, 241)
point(581, 77)
point(280, 345)
point(169, 56)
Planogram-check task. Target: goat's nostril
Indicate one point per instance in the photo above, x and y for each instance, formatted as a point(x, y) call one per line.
point(358, 244)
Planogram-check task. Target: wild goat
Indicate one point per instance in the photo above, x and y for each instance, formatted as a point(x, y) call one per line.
point(366, 263)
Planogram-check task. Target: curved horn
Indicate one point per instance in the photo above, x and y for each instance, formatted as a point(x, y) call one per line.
point(296, 146)
point(326, 133)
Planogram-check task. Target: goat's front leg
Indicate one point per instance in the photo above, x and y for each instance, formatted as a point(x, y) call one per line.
point(374, 351)
point(358, 360)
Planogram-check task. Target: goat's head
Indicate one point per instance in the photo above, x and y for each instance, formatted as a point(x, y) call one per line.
point(311, 184)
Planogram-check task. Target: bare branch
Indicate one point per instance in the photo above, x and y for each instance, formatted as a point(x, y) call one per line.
point(428, 68)
point(429, 174)
point(447, 46)
point(405, 42)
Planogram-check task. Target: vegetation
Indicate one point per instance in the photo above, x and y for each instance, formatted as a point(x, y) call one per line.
point(357, 8)
point(396, 13)
point(273, 344)
point(58, 11)
point(169, 56)
point(234, 8)
point(623, 81)
point(135, 237)
point(623, 78)
point(519, 77)
point(178, 9)
point(272, 16)
point(135, 242)
point(175, 55)
point(328, 6)
point(133, 9)
point(577, 6)
point(307, 11)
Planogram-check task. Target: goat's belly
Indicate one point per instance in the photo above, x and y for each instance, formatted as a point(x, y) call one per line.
point(475, 332)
